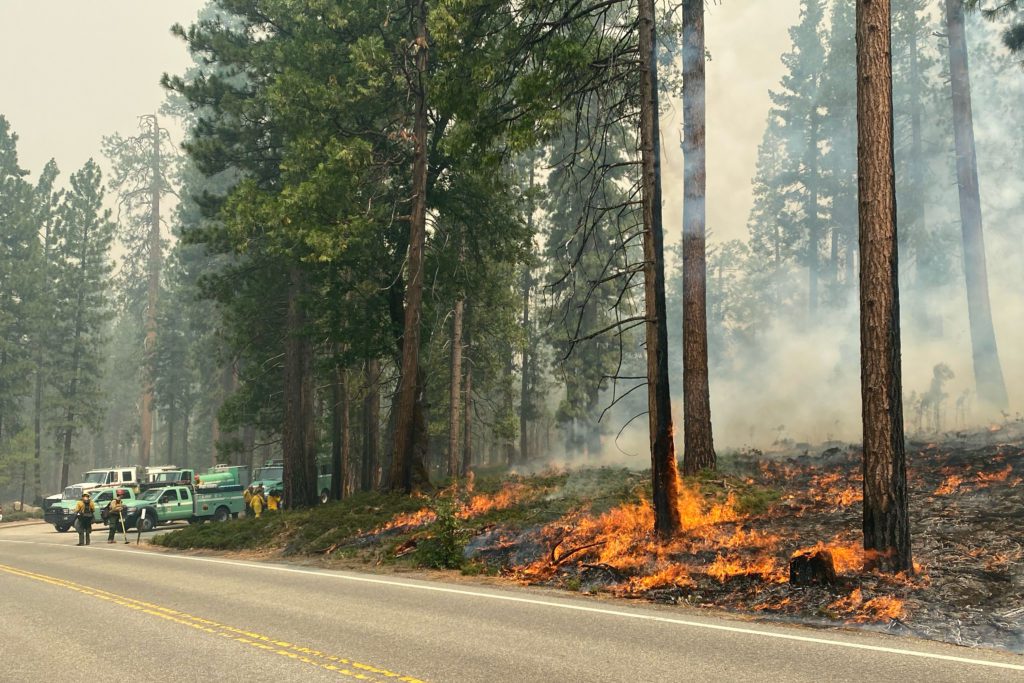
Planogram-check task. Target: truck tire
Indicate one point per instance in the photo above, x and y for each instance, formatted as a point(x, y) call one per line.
point(222, 514)
point(325, 497)
point(147, 523)
point(62, 529)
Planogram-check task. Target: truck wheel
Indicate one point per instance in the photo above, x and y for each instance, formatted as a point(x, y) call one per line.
point(147, 523)
point(325, 497)
point(222, 514)
point(61, 528)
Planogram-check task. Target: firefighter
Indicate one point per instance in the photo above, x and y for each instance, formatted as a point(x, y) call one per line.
point(115, 516)
point(85, 513)
point(256, 502)
point(247, 496)
point(274, 501)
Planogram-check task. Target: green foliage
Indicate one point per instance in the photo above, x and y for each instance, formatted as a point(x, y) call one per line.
point(443, 550)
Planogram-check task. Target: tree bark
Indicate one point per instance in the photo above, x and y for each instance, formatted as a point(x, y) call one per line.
point(467, 422)
point(664, 473)
point(402, 465)
point(988, 373)
point(371, 427)
point(297, 434)
point(524, 394)
point(146, 440)
point(455, 391)
point(886, 516)
point(337, 429)
point(698, 443)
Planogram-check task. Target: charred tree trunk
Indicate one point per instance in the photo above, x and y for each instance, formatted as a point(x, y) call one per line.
point(455, 391)
point(371, 427)
point(297, 434)
point(402, 461)
point(698, 444)
point(988, 373)
point(664, 473)
point(152, 294)
point(886, 517)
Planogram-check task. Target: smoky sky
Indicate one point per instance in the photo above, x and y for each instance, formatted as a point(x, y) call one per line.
point(75, 71)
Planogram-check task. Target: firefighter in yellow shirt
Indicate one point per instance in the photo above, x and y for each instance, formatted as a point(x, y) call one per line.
point(274, 501)
point(85, 513)
point(257, 504)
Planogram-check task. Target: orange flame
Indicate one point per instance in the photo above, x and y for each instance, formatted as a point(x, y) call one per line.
point(951, 484)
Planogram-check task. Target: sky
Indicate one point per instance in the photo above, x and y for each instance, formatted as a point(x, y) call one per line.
point(75, 71)
point(88, 69)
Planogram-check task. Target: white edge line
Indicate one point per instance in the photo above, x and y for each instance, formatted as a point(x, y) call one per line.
point(568, 606)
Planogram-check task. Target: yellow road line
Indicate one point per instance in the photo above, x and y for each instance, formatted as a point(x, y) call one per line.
point(340, 665)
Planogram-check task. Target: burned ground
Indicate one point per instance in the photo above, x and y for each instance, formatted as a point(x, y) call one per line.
point(589, 530)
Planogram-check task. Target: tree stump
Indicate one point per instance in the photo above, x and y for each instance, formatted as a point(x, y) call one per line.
point(812, 567)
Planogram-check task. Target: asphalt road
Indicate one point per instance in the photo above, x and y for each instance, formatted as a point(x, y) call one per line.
point(115, 610)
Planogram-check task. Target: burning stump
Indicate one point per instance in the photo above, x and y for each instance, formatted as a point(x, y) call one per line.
point(812, 567)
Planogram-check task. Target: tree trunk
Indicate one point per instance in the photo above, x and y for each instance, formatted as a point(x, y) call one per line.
point(297, 434)
point(214, 437)
point(988, 373)
point(886, 518)
point(918, 212)
point(371, 427)
point(337, 467)
point(664, 474)
point(186, 419)
point(467, 441)
point(171, 419)
point(811, 209)
point(405, 419)
point(455, 391)
point(146, 441)
point(524, 394)
point(698, 444)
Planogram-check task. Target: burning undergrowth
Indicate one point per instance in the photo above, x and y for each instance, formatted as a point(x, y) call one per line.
point(747, 531)
point(966, 507)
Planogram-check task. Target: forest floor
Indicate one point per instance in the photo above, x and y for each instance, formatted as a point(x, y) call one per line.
point(588, 530)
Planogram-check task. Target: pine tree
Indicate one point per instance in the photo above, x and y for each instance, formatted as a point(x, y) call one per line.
point(988, 372)
point(143, 165)
point(797, 106)
point(82, 239)
point(19, 262)
point(886, 516)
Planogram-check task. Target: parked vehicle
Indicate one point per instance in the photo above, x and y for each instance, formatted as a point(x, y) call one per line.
point(271, 477)
point(219, 498)
point(108, 476)
point(62, 515)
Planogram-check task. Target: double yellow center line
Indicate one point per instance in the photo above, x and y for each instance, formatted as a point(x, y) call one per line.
point(341, 666)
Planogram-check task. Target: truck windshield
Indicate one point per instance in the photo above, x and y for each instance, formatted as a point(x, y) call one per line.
point(269, 474)
point(168, 476)
point(72, 492)
point(95, 477)
point(151, 494)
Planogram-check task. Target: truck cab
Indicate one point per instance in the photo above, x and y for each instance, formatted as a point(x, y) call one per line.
point(62, 515)
point(121, 475)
